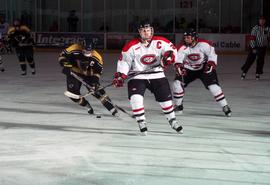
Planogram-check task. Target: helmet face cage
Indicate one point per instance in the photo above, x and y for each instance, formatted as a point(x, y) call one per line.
point(146, 31)
point(88, 48)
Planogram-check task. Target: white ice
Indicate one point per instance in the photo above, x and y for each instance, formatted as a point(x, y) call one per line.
point(45, 139)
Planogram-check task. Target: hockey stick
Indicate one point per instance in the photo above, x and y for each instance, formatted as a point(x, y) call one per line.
point(136, 73)
point(133, 74)
point(76, 96)
point(91, 91)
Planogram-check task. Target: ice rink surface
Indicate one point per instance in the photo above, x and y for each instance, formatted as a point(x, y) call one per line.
point(45, 139)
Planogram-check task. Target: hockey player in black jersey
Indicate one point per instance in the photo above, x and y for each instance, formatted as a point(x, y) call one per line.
point(86, 64)
point(19, 36)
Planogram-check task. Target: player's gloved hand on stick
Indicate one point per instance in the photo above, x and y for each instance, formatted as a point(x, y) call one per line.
point(64, 62)
point(209, 67)
point(168, 58)
point(180, 70)
point(95, 86)
point(119, 79)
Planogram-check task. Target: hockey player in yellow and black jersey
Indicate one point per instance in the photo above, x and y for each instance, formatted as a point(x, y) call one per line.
point(87, 64)
point(19, 36)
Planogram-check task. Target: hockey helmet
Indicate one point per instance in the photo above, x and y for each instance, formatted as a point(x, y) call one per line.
point(191, 32)
point(146, 30)
point(89, 46)
point(192, 39)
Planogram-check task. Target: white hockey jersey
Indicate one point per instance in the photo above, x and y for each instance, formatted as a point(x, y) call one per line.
point(193, 58)
point(137, 57)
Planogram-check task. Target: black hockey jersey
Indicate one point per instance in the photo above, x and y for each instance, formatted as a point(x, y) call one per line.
point(20, 37)
point(88, 63)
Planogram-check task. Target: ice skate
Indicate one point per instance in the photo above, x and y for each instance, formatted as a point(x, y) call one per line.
point(2, 69)
point(90, 109)
point(23, 73)
point(243, 76)
point(142, 126)
point(115, 112)
point(33, 71)
point(257, 77)
point(179, 109)
point(175, 125)
point(227, 111)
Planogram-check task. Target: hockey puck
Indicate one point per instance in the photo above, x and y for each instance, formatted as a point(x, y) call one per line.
point(98, 116)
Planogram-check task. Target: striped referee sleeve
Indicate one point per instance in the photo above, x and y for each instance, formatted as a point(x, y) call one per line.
point(260, 36)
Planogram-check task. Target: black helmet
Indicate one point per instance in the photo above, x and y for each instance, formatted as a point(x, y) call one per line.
point(145, 24)
point(191, 32)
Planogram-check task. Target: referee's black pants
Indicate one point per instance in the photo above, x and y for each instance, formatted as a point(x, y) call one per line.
point(260, 54)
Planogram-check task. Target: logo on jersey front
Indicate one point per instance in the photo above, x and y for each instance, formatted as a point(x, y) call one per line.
point(148, 59)
point(194, 57)
point(92, 63)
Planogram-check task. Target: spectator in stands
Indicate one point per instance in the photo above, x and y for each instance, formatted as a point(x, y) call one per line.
point(257, 48)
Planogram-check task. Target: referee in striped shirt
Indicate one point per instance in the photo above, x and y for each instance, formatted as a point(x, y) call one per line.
point(258, 44)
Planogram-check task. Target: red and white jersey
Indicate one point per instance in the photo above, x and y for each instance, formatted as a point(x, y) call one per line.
point(194, 57)
point(135, 56)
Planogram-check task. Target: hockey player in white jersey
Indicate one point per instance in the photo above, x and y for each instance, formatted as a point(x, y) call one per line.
point(147, 55)
point(196, 59)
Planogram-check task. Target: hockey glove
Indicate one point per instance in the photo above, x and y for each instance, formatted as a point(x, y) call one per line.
point(168, 58)
point(64, 62)
point(94, 83)
point(209, 67)
point(66, 70)
point(180, 70)
point(119, 79)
